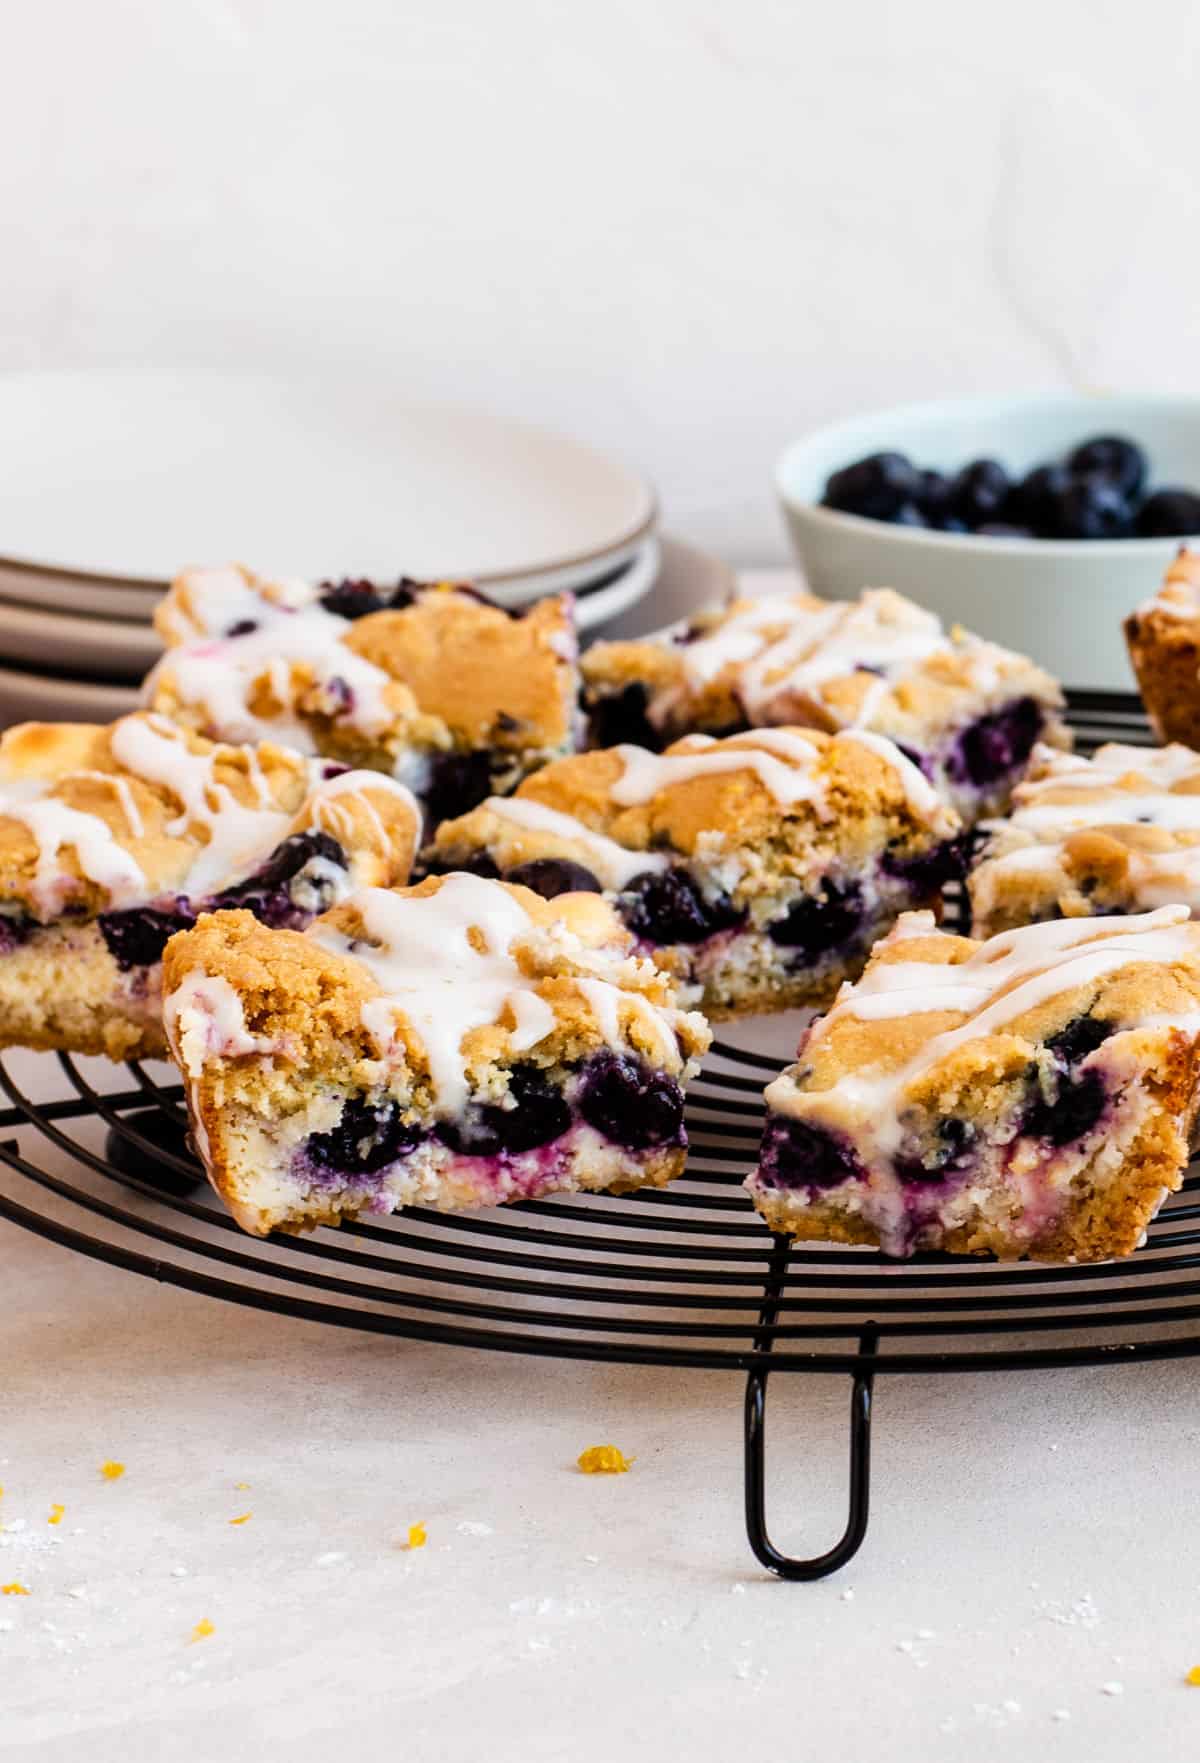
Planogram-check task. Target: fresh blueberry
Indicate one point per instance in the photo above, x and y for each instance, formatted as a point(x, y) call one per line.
point(138, 936)
point(997, 744)
point(242, 627)
point(405, 593)
point(952, 1151)
point(631, 1103)
point(797, 1155)
point(933, 497)
point(1081, 1036)
point(1113, 457)
point(999, 529)
point(551, 876)
point(819, 922)
point(458, 782)
point(1169, 514)
point(876, 487)
point(352, 599)
point(928, 871)
point(169, 1137)
point(666, 906)
point(1074, 1111)
point(1034, 502)
point(979, 492)
point(909, 515)
point(281, 893)
point(540, 1116)
point(1093, 508)
point(621, 717)
point(367, 1137)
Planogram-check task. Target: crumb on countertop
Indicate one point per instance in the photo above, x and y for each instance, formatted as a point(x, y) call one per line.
point(604, 1460)
point(56, 1513)
point(112, 1471)
point(14, 1589)
point(202, 1630)
point(417, 1537)
point(242, 1518)
point(1193, 1677)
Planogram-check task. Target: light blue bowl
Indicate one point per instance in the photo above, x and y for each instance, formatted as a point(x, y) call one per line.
point(1060, 600)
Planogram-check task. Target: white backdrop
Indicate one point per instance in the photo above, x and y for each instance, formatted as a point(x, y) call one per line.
point(686, 231)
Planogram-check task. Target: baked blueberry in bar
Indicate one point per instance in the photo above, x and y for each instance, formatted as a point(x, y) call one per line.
point(458, 1044)
point(113, 838)
point(1030, 1095)
point(758, 869)
point(1119, 832)
point(431, 684)
point(964, 710)
point(1163, 637)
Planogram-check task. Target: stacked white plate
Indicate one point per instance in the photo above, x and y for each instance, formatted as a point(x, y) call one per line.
point(111, 483)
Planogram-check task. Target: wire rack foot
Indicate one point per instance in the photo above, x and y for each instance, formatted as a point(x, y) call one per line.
point(850, 1541)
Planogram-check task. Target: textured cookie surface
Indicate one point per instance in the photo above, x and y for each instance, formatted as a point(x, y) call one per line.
point(758, 868)
point(1163, 636)
point(390, 679)
point(1119, 832)
point(1031, 1094)
point(112, 837)
point(968, 710)
point(459, 1043)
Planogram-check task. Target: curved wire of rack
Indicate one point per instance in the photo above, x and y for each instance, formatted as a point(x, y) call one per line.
point(686, 1276)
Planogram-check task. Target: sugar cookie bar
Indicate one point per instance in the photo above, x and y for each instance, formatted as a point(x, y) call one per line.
point(1163, 637)
point(758, 870)
point(1031, 1095)
point(113, 838)
point(457, 1044)
point(1119, 832)
point(431, 684)
point(966, 711)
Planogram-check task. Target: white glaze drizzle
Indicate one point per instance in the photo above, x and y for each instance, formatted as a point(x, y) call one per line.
point(101, 857)
point(204, 1019)
point(328, 811)
point(645, 773)
point(920, 794)
point(444, 961)
point(1002, 979)
point(613, 865)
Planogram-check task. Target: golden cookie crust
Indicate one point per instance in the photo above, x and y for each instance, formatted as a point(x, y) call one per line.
point(1163, 638)
point(449, 671)
point(884, 1084)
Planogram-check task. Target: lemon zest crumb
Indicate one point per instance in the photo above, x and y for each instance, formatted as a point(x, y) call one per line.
point(243, 1518)
point(604, 1460)
point(112, 1471)
point(14, 1589)
point(241, 1485)
point(56, 1513)
point(418, 1536)
point(1193, 1677)
point(202, 1630)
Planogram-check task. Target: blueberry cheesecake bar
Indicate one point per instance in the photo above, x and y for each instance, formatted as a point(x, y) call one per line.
point(1163, 637)
point(114, 837)
point(458, 1044)
point(430, 684)
point(965, 711)
point(1033, 1094)
point(1119, 832)
point(758, 870)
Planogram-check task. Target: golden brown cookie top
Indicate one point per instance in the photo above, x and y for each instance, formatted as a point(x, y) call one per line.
point(876, 662)
point(762, 790)
point(1178, 599)
point(433, 665)
point(439, 982)
point(935, 1015)
point(98, 817)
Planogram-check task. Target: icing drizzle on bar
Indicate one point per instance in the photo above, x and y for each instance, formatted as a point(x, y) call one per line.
point(613, 865)
point(1001, 980)
point(444, 962)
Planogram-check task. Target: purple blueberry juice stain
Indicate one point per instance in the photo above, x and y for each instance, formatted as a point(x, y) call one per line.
point(541, 1114)
point(929, 871)
point(293, 885)
point(138, 936)
point(14, 931)
point(368, 1137)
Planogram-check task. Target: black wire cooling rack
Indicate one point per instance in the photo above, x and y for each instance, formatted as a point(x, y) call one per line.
point(688, 1276)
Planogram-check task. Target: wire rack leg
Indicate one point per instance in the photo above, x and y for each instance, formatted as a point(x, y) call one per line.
point(847, 1546)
